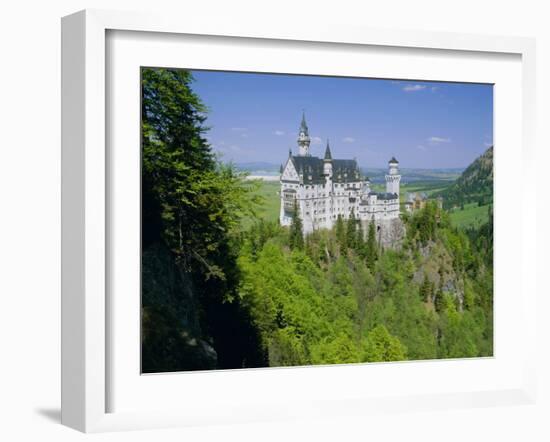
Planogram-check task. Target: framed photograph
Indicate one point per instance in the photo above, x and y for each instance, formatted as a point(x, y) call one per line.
point(288, 222)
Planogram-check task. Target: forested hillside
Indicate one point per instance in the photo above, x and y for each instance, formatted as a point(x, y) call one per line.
point(218, 292)
point(475, 185)
point(338, 299)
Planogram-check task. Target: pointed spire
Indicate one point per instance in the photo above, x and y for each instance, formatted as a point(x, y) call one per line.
point(281, 169)
point(328, 155)
point(303, 124)
point(289, 152)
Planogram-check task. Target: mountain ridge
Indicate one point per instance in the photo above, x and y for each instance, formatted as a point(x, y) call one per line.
point(475, 184)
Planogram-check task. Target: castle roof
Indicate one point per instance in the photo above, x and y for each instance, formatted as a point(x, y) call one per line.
point(328, 155)
point(384, 195)
point(343, 171)
point(387, 196)
point(393, 160)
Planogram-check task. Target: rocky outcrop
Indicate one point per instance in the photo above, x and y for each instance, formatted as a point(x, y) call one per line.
point(437, 265)
point(389, 233)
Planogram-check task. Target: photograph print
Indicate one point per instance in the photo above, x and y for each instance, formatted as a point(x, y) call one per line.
point(302, 220)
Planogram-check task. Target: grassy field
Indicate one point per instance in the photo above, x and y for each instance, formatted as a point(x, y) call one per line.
point(472, 215)
point(269, 190)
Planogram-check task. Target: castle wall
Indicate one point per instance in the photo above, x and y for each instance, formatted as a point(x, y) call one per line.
point(320, 205)
point(389, 232)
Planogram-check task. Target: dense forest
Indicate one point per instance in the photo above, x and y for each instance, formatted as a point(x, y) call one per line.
point(220, 293)
point(475, 185)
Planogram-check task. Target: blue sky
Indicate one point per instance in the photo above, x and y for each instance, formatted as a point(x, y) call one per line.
point(255, 117)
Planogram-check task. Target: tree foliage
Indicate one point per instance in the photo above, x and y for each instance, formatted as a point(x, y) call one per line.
point(296, 232)
point(191, 203)
point(371, 246)
point(380, 346)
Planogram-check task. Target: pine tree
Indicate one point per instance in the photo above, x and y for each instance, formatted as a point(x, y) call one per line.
point(296, 240)
point(351, 232)
point(372, 247)
point(439, 298)
point(359, 239)
point(426, 289)
point(191, 205)
point(341, 235)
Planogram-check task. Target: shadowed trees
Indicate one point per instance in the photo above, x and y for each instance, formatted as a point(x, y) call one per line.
point(190, 204)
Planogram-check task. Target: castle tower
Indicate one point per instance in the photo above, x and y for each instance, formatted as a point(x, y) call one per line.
point(328, 173)
point(327, 164)
point(393, 178)
point(303, 138)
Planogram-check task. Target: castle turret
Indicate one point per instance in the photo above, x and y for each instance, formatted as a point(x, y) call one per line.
point(327, 166)
point(393, 178)
point(303, 138)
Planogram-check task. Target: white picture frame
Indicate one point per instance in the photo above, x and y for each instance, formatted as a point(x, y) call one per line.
point(86, 315)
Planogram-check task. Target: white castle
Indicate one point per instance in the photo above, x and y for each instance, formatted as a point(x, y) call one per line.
point(324, 188)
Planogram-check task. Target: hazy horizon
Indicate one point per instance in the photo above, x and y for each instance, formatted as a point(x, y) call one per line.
point(258, 164)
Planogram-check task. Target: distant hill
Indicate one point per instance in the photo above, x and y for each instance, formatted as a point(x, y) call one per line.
point(475, 185)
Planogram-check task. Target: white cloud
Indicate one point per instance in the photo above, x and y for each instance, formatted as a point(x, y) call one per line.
point(348, 140)
point(421, 147)
point(435, 88)
point(316, 141)
point(486, 144)
point(438, 140)
point(279, 132)
point(239, 129)
point(413, 87)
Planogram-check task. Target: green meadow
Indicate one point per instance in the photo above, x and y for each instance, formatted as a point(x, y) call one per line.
point(471, 216)
point(269, 191)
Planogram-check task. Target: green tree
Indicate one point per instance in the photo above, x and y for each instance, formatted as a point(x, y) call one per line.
point(189, 200)
point(360, 239)
point(351, 231)
point(381, 346)
point(341, 236)
point(439, 301)
point(371, 246)
point(192, 204)
point(426, 289)
point(296, 234)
